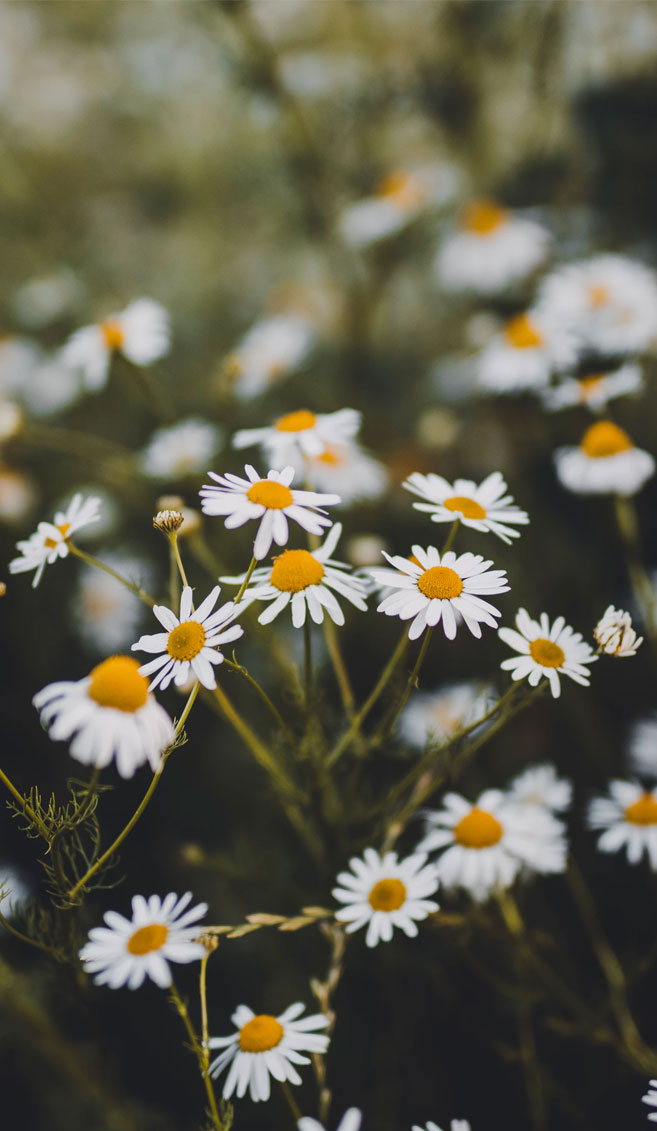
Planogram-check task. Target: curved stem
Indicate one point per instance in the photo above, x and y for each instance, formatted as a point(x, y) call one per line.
point(271, 707)
point(247, 578)
point(27, 809)
point(27, 939)
point(390, 722)
point(92, 561)
point(449, 541)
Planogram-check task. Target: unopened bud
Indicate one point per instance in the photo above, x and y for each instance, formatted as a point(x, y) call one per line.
point(614, 634)
point(168, 521)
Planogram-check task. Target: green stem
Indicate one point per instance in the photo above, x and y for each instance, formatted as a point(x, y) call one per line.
point(27, 809)
point(449, 541)
point(271, 707)
point(412, 679)
point(173, 538)
point(339, 667)
point(27, 939)
point(247, 578)
point(198, 1052)
point(628, 528)
point(92, 561)
point(308, 661)
point(292, 1103)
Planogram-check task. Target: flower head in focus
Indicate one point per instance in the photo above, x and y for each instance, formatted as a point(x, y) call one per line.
point(490, 250)
point(50, 540)
point(605, 462)
point(614, 634)
point(628, 818)
point(483, 507)
point(381, 893)
point(189, 646)
point(140, 333)
point(546, 650)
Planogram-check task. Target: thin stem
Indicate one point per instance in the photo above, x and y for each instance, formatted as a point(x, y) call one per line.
point(412, 679)
point(27, 939)
point(92, 561)
point(173, 538)
point(205, 1033)
point(27, 809)
point(247, 578)
point(339, 667)
point(271, 707)
point(449, 541)
point(308, 662)
point(293, 1105)
point(628, 528)
point(198, 1051)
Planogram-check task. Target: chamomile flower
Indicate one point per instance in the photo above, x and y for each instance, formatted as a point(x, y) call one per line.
point(306, 580)
point(190, 645)
point(455, 1125)
point(299, 435)
point(642, 747)
point(271, 501)
point(127, 951)
point(382, 893)
point(539, 785)
point(347, 469)
point(50, 540)
point(610, 301)
point(485, 507)
point(650, 1098)
point(488, 844)
point(17, 494)
point(429, 589)
point(490, 250)
point(399, 198)
point(628, 816)
point(14, 891)
point(614, 634)
point(350, 1121)
point(140, 333)
point(524, 355)
point(546, 650)
point(183, 449)
point(105, 613)
point(108, 715)
point(435, 716)
point(271, 350)
point(594, 390)
point(605, 462)
point(265, 1046)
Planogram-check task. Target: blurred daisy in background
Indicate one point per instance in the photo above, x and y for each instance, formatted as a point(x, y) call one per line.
point(300, 435)
point(399, 198)
point(105, 613)
point(17, 495)
point(436, 716)
point(455, 1125)
point(429, 589)
point(14, 890)
point(50, 540)
point(486, 845)
point(382, 893)
point(140, 333)
point(184, 449)
point(650, 1098)
point(595, 390)
point(109, 714)
point(346, 468)
point(271, 500)
point(490, 250)
point(540, 785)
point(484, 507)
point(525, 354)
point(628, 818)
point(642, 746)
point(605, 462)
point(189, 646)
point(546, 650)
point(614, 634)
point(271, 350)
point(127, 951)
point(351, 1121)
point(266, 1046)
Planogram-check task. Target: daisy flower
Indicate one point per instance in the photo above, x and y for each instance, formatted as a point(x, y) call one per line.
point(347, 469)
point(183, 449)
point(13, 891)
point(190, 645)
point(271, 350)
point(455, 1125)
point(270, 500)
point(595, 390)
point(350, 1121)
point(301, 434)
point(140, 333)
point(539, 785)
point(546, 651)
point(487, 845)
point(109, 715)
point(399, 198)
point(382, 893)
point(435, 716)
point(17, 494)
point(525, 354)
point(650, 1098)
point(614, 634)
point(430, 588)
point(50, 540)
point(305, 580)
point(606, 462)
point(127, 951)
point(642, 749)
point(628, 816)
point(610, 301)
point(490, 250)
point(106, 614)
point(265, 1046)
point(484, 507)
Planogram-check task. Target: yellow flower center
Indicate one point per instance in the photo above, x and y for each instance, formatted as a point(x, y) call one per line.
point(295, 570)
point(588, 385)
point(186, 640)
point(605, 439)
point(63, 530)
point(146, 939)
point(260, 1034)
point(478, 829)
point(440, 582)
point(643, 811)
point(482, 217)
point(117, 683)
point(296, 421)
point(331, 457)
point(268, 493)
point(112, 334)
point(387, 895)
point(521, 333)
point(598, 296)
point(469, 508)
point(402, 188)
point(546, 653)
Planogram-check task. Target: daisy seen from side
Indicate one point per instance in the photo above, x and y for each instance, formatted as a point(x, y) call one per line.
point(300, 435)
point(270, 351)
point(490, 249)
point(398, 199)
point(484, 507)
point(605, 462)
point(381, 893)
point(140, 332)
point(347, 469)
point(50, 540)
point(264, 1046)
point(127, 951)
point(627, 817)
point(594, 390)
point(546, 650)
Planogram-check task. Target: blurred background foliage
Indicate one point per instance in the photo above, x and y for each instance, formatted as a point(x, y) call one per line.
point(201, 154)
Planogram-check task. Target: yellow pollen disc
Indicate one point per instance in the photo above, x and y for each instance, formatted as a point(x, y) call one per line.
point(440, 582)
point(260, 1034)
point(598, 296)
point(414, 560)
point(478, 829)
point(402, 188)
point(588, 385)
point(483, 217)
point(296, 421)
point(469, 508)
point(295, 570)
point(643, 811)
point(63, 530)
point(387, 895)
point(605, 439)
point(331, 457)
point(268, 493)
point(546, 653)
point(521, 333)
point(146, 939)
point(112, 334)
point(186, 640)
point(117, 683)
